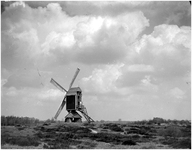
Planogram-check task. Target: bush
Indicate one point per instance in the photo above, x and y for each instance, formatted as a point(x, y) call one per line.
point(149, 147)
point(40, 135)
point(59, 146)
point(116, 128)
point(186, 132)
point(4, 139)
point(45, 146)
point(171, 131)
point(175, 143)
point(128, 142)
point(184, 144)
point(146, 136)
point(86, 145)
point(135, 136)
point(106, 137)
point(21, 141)
point(113, 127)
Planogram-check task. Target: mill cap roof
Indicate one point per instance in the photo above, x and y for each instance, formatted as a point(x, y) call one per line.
point(74, 90)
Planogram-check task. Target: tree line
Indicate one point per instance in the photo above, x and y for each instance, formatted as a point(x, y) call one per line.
point(13, 120)
point(161, 120)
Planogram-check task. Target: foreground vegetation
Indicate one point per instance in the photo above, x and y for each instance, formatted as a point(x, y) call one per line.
point(121, 135)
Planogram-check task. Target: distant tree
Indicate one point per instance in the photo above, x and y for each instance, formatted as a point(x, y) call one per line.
point(3, 121)
point(13, 120)
point(150, 122)
point(158, 120)
point(143, 122)
point(175, 121)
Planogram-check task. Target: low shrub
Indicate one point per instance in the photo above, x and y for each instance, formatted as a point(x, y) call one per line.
point(146, 136)
point(21, 128)
point(86, 145)
point(184, 144)
point(129, 142)
point(149, 147)
point(113, 127)
point(186, 132)
point(135, 136)
point(106, 137)
point(116, 128)
point(171, 131)
point(175, 143)
point(21, 141)
point(59, 146)
point(45, 146)
point(39, 134)
point(4, 139)
point(62, 143)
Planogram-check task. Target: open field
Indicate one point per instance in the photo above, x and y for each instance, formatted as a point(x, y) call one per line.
point(97, 135)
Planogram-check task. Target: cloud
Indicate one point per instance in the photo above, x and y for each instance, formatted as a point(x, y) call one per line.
point(130, 58)
point(50, 94)
point(26, 78)
point(167, 49)
point(163, 12)
point(28, 93)
point(132, 75)
point(11, 92)
point(112, 80)
point(177, 93)
point(18, 4)
point(163, 56)
point(3, 81)
point(84, 39)
point(27, 33)
point(98, 8)
point(111, 37)
point(35, 102)
point(46, 37)
point(102, 80)
point(46, 40)
point(140, 68)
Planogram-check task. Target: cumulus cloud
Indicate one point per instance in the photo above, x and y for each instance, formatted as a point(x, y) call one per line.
point(167, 49)
point(111, 80)
point(102, 80)
point(83, 39)
point(110, 38)
point(132, 75)
point(12, 92)
point(30, 34)
point(159, 57)
point(47, 39)
point(140, 68)
point(177, 93)
point(125, 52)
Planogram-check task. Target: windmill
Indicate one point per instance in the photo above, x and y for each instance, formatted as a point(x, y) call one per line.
point(73, 101)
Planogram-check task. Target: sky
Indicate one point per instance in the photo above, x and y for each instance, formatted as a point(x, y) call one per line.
point(134, 58)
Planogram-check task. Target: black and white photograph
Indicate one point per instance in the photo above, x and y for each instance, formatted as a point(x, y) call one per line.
point(95, 74)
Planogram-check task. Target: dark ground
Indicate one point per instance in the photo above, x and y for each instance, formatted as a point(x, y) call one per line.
point(96, 135)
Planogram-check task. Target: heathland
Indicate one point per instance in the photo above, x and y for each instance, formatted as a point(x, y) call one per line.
point(158, 133)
